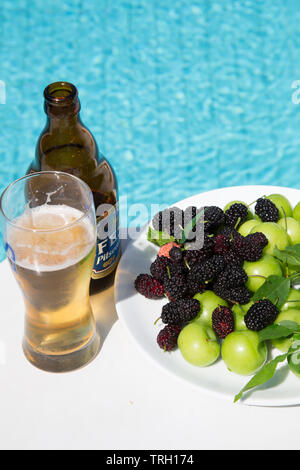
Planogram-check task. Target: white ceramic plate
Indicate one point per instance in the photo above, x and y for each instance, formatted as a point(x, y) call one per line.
point(138, 314)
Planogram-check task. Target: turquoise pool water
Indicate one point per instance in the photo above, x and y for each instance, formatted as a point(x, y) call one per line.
point(181, 95)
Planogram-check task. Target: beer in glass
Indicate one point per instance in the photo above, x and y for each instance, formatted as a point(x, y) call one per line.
point(50, 237)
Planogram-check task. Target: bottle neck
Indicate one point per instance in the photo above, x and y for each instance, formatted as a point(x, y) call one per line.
point(63, 116)
point(62, 105)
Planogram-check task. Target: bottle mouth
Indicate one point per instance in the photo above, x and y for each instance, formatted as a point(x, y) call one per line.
point(60, 93)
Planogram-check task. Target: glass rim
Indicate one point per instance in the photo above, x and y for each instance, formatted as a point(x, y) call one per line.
point(37, 173)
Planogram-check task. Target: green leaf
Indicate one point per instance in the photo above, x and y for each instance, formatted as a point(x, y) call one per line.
point(290, 255)
point(291, 325)
point(279, 330)
point(294, 355)
point(275, 288)
point(295, 346)
point(295, 279)
point(159, 238)
point(186, 231)
point(296, 337)
point(262, 376)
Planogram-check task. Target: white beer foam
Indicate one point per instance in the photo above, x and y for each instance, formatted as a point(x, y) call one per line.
point(48, 246)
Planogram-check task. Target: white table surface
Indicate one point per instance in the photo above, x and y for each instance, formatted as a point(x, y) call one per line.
point(121, 400)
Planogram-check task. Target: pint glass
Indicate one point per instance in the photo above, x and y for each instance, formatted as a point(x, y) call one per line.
point(49, 231)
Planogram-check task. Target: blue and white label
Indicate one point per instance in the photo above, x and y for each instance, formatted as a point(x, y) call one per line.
point(108, 241)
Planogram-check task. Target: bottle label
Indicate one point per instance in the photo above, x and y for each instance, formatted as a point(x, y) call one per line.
point(108, 248)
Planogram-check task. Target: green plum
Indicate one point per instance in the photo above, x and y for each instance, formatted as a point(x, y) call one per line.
point(283, 205)
point(239, 322)
point(258, 271)
point(292, 301)
point(239, 311)
point(198, 344)
point(292, 227)
point(247, 226)
point(292, 314)
point(243, 353)
point(209, 301)
point(275, 234)
point(242, 309)
point(229, 204)
point(296, 212)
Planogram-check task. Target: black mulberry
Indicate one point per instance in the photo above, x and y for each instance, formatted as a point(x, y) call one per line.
point(213, 218)
point(240, 295)
point(180, 312)
point(208, 269)
point(194, 286)
point(176, 254)
point(176, 287)
point(232, 276)
point(230, 233)
point(205, 251)
point(230, 257)
point(266, 210)
point(236, 215)
point(260, 315)
point(250, 248)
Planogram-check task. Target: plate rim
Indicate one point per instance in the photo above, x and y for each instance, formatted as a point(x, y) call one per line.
point(246, 400)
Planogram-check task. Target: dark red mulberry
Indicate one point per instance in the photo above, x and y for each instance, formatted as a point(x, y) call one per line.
point(167, 337)
point(222, 321)
point(221, 244)
point(149, 287)
point(158, 268)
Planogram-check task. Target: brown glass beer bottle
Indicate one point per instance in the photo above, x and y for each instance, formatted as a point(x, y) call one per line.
point(67, 145)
